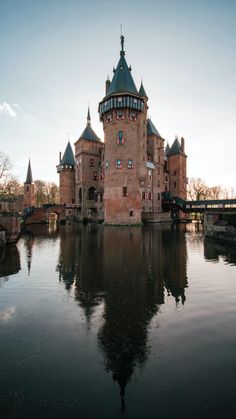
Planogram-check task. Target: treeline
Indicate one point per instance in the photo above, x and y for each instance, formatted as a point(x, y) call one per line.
point(198, 190)
point(10, 187)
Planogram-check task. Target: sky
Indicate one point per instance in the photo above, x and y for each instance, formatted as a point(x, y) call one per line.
point(55, 56)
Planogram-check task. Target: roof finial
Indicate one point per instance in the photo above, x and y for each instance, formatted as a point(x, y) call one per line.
point(68, 136)
point(122, 52)
point(88, 117)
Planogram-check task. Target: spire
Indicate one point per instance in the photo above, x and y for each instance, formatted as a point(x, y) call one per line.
point(88, 133)
point(68, 156)
point(88, 117)
point(29, 178)
point(122, 41)
point(122, 81)
point(142, 91)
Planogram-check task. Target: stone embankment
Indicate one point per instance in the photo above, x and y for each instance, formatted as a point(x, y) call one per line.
point(9, 227)
point(219, 229)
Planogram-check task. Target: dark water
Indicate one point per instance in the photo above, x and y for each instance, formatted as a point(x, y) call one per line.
point(106, 322)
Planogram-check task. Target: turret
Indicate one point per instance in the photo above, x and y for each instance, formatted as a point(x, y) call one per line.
point(123, 113)
point(176, 161)
point(66, 170)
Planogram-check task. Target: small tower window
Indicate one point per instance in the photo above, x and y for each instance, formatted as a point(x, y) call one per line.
point(149, 195)
point(91, 162)
point(130, 164)
point(143, 195)
point(174, 173)
point(119, 164)
point(95, 176)
point(120, 115)
point(107, 164)
point(132, 116)
point(124, 192)
point(120, 139)
point(131, 213)
point(174, 184)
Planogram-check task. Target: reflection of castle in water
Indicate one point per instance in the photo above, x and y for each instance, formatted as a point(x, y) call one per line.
point(128, 269)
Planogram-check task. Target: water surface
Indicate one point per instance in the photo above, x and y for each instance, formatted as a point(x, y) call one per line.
point(109, 322)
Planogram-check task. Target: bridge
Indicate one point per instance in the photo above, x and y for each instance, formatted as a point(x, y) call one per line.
point(195, 210)
point(43, 215)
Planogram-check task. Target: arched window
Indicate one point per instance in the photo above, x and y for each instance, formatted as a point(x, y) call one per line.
point(91, 194)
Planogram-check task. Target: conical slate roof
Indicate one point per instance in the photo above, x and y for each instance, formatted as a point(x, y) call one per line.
point(122, 81)
point(142, 91)
point(88, 133)
point(68, 156)
point(175, 148)
point(29, 178)
point(167, 149)
point(151, 129)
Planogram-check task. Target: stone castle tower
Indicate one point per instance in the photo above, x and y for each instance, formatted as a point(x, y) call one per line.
point(177, 168)
point(29, 191)
point(66, 170)
point(130, 177)
point(123, 112)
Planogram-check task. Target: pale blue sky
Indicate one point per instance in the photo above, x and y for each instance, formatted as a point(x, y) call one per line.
point(56, 54)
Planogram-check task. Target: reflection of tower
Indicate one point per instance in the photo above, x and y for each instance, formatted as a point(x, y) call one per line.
point(175, 268)
point(29, 193)
point(89, 282)
point(131, 300)
point(29, 242)
point(67, 258)
point(66, 170)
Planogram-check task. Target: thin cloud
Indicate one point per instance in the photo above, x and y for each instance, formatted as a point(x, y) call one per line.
point(7, 109)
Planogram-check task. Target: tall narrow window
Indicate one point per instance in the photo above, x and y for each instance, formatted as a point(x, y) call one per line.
point(124, 192)
point(119, 164)
point(91, 162)
point(130, 164)
point(120, 139)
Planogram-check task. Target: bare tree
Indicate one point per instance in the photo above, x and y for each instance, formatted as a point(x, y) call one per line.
point(197, 189)
point(5, 165)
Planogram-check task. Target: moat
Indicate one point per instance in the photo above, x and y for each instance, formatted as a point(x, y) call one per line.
point(111, 322)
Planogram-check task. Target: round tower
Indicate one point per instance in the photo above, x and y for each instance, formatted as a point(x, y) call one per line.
point(123, 113)
point(29, 192)
point(66, 170)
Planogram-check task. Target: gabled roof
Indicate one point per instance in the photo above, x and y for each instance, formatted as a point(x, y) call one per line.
point(29, 178)
point(68, 156)
point(151, 129)
point(122, 81)
point(142, 91)
point(175, 148)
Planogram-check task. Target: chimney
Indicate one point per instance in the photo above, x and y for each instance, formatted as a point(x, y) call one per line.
point(108, 82)
point(182, 144)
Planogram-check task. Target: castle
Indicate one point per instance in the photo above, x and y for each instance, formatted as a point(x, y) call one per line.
point(124, 178)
